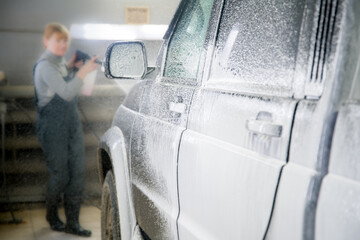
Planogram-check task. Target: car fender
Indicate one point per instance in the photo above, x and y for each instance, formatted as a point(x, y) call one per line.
point(112, 144)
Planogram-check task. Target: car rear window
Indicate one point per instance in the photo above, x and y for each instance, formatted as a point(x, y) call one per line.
point(257, 44)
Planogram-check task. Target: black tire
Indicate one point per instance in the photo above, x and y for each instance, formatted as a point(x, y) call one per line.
point(110, 224)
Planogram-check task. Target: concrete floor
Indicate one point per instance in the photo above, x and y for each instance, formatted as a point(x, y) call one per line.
point(35, 227)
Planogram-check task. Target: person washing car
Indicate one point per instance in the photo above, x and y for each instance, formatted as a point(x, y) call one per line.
point(58, 127)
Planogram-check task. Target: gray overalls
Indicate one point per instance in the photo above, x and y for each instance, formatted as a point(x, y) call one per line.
point(59, 131)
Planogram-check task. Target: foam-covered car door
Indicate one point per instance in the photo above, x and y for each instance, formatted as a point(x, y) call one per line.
point(163, 117)
point(236, 143)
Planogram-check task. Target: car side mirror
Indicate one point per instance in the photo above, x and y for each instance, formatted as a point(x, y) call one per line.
point(126, 60)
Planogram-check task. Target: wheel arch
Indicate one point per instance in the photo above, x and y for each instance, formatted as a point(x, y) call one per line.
point(104, 164)
point(112, 155)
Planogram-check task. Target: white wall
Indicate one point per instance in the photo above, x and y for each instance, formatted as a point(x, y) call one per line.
point(34, 14)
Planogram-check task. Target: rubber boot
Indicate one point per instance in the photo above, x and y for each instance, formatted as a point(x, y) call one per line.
point(52, 215)
point(72, 212)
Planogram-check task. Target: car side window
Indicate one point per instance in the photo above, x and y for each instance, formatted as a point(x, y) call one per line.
point(185, 47)
point(257, 44)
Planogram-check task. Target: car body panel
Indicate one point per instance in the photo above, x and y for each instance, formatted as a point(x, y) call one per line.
point(154, 149)
point(301, 178)
point(218, 146)
point(313, 130)
point(294, 196)
point(235, 120)
point(163, 117)
point(338, 215)
point(212, 210)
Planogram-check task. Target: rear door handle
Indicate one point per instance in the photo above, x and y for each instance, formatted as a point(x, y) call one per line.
point(177, 107)
point(264, 127)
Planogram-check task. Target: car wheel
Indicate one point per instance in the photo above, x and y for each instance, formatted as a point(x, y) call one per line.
point(110, 224)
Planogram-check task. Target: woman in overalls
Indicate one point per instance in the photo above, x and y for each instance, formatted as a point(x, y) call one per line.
point(59, 129)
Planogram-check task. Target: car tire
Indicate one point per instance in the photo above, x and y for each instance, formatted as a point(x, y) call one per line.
point(110, 224)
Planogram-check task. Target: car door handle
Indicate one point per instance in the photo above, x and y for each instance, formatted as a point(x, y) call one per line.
point(264, 127)
point(177, 107)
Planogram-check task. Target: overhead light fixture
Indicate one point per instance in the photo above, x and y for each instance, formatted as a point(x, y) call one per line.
point(118, 31)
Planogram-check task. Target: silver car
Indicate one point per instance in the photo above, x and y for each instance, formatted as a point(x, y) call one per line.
point(248, 127)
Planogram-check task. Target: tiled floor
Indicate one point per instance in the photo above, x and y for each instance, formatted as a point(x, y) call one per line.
point(35, 227)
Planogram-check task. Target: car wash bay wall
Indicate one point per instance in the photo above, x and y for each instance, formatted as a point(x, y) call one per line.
point(21, 26)
point(22, 23)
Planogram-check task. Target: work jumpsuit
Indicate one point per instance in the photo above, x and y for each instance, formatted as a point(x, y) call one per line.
point(59, 131)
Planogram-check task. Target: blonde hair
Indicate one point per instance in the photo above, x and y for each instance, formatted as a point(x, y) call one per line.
point(52, 28)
